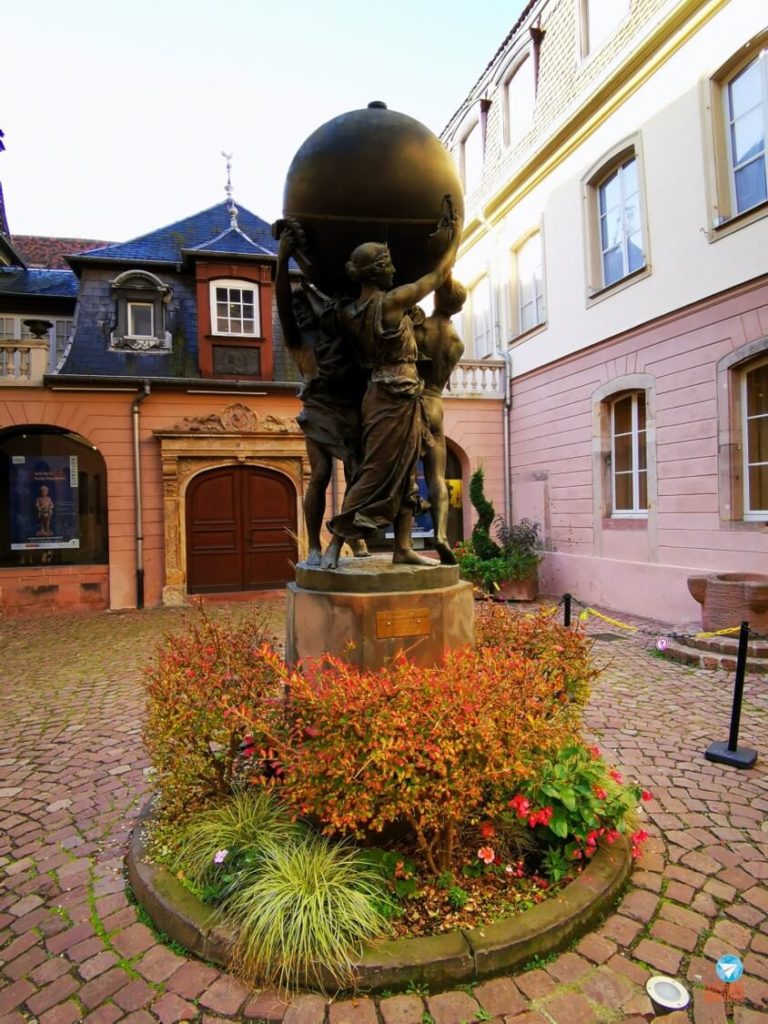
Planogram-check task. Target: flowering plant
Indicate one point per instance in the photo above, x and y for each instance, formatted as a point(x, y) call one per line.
point(577, 800)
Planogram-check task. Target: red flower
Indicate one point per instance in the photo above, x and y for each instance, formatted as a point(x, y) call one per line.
point(646, 795)
point(616, 775)
point(600, 793)
point(487, 830)
point(520, 805)
point(594, 751)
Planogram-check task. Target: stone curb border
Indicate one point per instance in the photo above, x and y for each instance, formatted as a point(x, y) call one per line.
point(439, 961)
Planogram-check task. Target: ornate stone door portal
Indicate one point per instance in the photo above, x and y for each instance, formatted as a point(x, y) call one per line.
point(233, 484)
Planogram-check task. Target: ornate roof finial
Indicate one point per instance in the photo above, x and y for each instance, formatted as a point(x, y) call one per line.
point(228, 190)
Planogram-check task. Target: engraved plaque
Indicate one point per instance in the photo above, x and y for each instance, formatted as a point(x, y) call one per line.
point(403, 622)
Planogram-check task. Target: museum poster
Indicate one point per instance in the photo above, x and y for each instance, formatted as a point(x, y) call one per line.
point(44, 505)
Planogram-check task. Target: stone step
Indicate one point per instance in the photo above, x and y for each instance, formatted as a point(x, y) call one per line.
point(715, 653)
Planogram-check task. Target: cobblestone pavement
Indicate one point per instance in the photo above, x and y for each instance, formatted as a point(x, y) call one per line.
point(72, 780)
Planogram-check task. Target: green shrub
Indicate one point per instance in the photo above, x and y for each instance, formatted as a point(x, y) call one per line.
point(193, 746)
point(303, 917)
point(574, 802)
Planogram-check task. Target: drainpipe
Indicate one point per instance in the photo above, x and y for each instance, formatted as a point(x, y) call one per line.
point(507, 356)
point(137, 491)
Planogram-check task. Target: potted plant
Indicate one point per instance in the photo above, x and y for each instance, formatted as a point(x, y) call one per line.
point(505, 565)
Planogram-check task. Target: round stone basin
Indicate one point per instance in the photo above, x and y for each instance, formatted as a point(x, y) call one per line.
point(729, 598)
point(439, 961)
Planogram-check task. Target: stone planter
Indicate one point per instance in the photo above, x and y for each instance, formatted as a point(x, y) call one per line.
point(439, 961)
point(519, 590)
point(729, 598)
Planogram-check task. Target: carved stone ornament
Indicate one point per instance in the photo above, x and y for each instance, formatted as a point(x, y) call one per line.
point(236, 418)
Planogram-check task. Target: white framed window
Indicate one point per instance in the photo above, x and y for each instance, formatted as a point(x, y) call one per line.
point(481, 318)
point(518, 100)
point(529, 278)
point(745, 98)
point(598, 19)
point(754, 405)
point(629, 464)
point(620, 223)
point(235, 308)
point(141, 320)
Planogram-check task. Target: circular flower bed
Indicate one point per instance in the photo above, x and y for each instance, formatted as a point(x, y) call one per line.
point(321, 808)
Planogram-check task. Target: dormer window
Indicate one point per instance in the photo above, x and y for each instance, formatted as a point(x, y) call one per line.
point(142, 301)
point(140, 319)
point(235, 308)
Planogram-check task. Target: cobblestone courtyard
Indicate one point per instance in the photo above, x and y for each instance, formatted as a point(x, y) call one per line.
point(72, 782)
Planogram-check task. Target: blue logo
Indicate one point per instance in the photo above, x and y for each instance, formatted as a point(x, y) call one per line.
point(729, 968)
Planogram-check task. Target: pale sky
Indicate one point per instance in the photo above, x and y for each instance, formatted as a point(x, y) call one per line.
point(116, 114)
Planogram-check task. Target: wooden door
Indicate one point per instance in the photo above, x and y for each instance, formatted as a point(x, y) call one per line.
point(239, 525)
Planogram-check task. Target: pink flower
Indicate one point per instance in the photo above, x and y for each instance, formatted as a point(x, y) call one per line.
point(600, 793)
point(616, 775)
point(220, 856)
point(486, 854)
point(594, 751)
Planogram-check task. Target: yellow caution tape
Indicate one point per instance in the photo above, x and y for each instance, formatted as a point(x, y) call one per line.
point(614, 622)
point(717, 632)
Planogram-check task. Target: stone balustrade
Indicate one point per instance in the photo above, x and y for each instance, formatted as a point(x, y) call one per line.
point(477, 378)
point(23, 363)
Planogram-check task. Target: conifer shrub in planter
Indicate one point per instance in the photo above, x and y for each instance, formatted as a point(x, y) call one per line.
point(501, 559)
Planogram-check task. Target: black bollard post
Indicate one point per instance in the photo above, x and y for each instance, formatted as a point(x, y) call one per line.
point(729, 753)
point(566, 610)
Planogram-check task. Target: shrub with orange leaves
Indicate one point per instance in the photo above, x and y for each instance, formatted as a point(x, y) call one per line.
point(563, 654)
point(433, 747)
point(193, 745)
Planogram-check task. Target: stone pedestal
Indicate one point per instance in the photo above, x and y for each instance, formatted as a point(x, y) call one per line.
point(368, 609)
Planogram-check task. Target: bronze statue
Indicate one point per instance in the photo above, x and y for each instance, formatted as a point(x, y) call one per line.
point(440, 349)
point(369, 183)
point(395, 425)
point(333, 388)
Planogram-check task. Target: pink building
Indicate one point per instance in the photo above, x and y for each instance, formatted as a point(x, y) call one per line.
point(615, 164)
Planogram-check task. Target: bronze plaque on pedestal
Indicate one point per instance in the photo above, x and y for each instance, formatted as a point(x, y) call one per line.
point(404, 622)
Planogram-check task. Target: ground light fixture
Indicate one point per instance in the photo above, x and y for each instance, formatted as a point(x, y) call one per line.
point(666, 994)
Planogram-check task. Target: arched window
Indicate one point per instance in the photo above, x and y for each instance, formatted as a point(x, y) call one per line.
point(616, 229)
point(54, 505)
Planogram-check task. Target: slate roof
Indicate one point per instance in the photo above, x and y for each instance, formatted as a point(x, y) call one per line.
point(196, 233)
point(35, 282)
point(45, 251)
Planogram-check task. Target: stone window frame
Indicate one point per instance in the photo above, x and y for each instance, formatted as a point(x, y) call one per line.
point(584, 20)
point(723, 217)
point(525, 55)
point(730, 434)
point(602, 397)
point(602, 169)
point(140, 287)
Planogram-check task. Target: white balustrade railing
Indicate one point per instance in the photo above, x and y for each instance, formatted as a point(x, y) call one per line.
point(23, 362)
point(477, 378)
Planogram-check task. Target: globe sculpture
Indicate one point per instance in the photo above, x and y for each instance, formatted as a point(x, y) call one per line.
point(370, 175)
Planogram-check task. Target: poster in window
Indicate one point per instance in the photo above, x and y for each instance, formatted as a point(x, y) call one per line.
point(44, 505)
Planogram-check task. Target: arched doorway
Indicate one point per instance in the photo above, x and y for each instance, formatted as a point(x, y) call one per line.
point(241, 530)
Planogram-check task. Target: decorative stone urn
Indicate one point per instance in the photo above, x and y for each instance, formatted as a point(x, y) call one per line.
point(730, 598)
